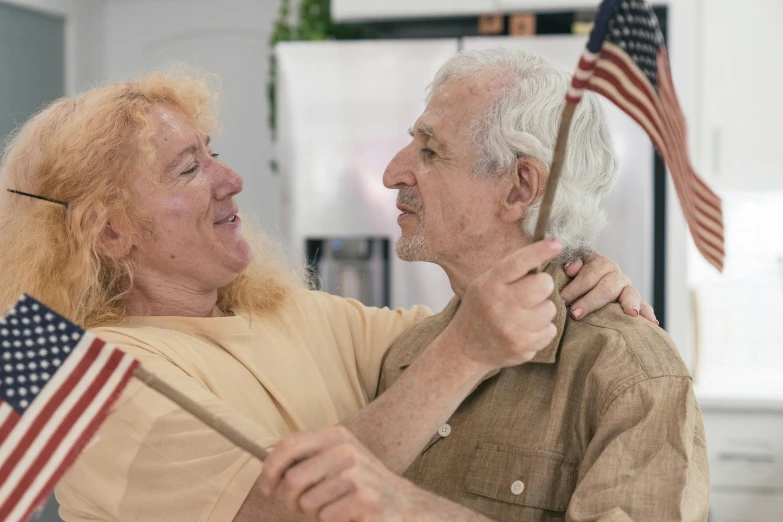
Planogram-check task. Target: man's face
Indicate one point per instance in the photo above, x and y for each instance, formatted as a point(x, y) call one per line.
point(446, 210)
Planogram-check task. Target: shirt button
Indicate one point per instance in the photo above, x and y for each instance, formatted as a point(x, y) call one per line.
point(444, 430)
point(517, 487)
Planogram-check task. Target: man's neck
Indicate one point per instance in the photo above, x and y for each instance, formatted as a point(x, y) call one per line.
point(465, 267)
point(155, 295)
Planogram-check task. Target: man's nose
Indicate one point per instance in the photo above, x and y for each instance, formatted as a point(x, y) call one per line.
point(401, 170)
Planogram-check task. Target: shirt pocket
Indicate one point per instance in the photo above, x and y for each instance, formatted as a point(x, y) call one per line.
point(532, 478)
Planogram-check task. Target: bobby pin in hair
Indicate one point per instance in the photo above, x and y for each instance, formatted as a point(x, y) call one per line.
point(63, 203)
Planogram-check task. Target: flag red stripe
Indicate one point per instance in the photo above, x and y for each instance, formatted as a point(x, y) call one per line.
point(86, 436)
point(48, 410)
point(8, 425)
point(60, 432)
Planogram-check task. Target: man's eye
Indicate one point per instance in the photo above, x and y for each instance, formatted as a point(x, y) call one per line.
point(428, 153)
point(214, 154)
point(190, 171)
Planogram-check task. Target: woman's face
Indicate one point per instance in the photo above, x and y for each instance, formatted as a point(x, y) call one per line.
point(196, 242)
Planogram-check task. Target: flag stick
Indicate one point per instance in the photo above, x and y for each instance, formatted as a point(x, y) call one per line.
point(206, 416)
point(554, 173)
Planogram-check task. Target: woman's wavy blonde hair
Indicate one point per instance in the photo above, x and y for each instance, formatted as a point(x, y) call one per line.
point(85, 151)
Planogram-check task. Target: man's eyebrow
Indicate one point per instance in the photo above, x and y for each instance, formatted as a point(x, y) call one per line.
point(427, 130)
point(191, 149)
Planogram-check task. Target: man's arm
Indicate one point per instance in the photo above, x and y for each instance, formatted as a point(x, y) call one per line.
point(647, 459)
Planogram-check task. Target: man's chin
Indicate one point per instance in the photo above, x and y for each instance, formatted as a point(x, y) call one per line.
point(413, 249)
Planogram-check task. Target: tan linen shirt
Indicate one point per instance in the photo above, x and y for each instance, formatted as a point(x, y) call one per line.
point(308, 367)
point(602, 425)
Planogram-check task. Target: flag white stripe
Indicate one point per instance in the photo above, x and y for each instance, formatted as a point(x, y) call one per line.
point(5, 411)
point(59, 376)
point(575, 93)
point(52, 423)
point(73, 435)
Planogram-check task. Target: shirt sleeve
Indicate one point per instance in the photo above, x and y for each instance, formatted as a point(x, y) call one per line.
point(373, 331)
point(647, 460)
point(153, 461)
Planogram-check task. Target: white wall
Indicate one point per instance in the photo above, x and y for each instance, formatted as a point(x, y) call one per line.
point(83, 38)
point(229, 38)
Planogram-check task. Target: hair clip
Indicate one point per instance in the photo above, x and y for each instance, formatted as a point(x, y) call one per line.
point(63, 203)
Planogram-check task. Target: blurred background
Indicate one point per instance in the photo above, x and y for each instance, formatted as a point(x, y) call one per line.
point(318, 96)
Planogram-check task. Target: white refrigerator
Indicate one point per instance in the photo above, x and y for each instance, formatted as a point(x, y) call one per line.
point(344, 109)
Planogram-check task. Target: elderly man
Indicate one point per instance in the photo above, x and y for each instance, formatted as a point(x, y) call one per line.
point(601, 424)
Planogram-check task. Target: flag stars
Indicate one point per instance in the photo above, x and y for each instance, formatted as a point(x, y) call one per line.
point(6, 344)
point(9, 381)
point(24, 403)
point(10, 392)
point(49, 316)
point(44, 365)
point(56, 362)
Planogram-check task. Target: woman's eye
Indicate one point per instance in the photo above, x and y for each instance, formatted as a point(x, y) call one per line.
point(428, 153)
point(190, 171)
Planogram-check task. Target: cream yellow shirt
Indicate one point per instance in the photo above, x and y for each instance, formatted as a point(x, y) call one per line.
point(308, 367)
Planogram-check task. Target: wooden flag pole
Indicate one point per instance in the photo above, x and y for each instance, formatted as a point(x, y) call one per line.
point(206, 416)
point(554, 173)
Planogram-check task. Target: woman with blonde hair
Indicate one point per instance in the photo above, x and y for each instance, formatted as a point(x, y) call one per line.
point(125, 222)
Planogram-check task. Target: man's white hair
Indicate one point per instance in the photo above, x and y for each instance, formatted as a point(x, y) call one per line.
point(523, 121)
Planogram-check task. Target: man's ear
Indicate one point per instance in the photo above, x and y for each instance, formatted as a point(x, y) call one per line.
point(115, 241)
point(527, 185)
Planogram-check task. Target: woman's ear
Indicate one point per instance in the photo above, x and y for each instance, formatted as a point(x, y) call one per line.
point(527, 185)
point(115, 241)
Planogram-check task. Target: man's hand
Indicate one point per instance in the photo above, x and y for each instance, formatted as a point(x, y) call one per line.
point(330, 476)
point(506, 315)
point(599, 282)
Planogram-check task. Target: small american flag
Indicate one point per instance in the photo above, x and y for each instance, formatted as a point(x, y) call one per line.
point(57, 384)
point(626, 61)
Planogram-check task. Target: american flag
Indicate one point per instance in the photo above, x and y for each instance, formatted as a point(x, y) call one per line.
point(626, 61)
point(57, 384)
